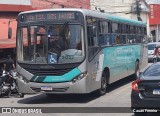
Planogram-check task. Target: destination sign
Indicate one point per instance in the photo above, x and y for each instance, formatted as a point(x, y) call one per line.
point(44, 16)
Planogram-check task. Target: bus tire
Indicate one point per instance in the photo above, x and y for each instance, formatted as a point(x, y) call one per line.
point(103, 89)
point(137, 70)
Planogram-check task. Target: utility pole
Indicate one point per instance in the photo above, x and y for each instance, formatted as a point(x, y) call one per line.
point(138, 10)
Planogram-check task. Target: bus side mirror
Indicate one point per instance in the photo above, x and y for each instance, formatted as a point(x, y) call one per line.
point(9, 33)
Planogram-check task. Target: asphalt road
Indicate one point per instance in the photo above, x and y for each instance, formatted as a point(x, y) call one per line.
point(117, 99)
point(118, 96)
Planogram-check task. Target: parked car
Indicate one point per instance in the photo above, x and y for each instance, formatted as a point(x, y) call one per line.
point(146, 90)
point(151, 48)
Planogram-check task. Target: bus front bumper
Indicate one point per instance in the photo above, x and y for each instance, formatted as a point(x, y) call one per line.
point(53, 88)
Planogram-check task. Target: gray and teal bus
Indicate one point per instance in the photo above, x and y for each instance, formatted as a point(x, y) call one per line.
point(77, 51)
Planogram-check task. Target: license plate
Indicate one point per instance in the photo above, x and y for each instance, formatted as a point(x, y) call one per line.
point(156, 91)
point(46, 88)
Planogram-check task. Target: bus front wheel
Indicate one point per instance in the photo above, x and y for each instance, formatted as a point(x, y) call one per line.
point(103, 89)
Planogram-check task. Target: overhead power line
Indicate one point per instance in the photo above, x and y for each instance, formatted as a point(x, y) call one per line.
point(110, 2)
point(68, 4)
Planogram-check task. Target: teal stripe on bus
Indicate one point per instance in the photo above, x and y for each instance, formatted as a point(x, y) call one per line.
point(121, 58)
point(51, 79)
point(33, 78)
point(125, 20)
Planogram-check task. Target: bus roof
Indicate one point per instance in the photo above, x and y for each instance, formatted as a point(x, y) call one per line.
point(94, 14)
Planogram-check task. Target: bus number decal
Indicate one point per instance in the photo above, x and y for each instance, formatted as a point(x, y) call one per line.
point(68, 57)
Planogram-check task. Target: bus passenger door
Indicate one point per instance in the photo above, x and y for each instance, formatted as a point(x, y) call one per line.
point(93, 56)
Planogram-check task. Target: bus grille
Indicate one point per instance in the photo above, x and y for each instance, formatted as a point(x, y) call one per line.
point(47, 72)
point(54, 89)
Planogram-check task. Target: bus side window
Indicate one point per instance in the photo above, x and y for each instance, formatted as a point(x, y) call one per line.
point(104, 36)
point(144, 37)
point(92, 38)
point(117, 39)
point(132, 30)
point(92, 35)
point(127, 29)
point(114, 27)
point(123, 39)
point(119, 28)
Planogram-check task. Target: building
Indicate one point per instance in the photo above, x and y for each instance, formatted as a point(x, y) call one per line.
point(154, 19)
point(41, 4)
point(116, 7)
point(124, 8)
point(8, 14)
point(9, 10)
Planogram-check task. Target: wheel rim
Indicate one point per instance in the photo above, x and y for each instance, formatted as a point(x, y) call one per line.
point(103, 85)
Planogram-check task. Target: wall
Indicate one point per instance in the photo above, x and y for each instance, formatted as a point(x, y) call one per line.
point(117, 7)
point(10, 8)
point(41, 4)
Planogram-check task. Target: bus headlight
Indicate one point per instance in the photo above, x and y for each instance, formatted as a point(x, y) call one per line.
point(79, 77)
point(23, 79)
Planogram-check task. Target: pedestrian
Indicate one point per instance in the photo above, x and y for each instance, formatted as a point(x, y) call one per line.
point(157, 52)
point(9, 64)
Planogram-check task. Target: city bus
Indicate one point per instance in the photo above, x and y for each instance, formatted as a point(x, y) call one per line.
point(77, 51)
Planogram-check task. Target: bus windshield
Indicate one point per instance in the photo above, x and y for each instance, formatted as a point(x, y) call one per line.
point(50, 44)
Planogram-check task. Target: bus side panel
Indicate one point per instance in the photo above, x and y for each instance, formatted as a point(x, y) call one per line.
point(121, 60)
point(115, 61)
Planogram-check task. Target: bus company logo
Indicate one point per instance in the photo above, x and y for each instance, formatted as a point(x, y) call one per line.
point(6, 110)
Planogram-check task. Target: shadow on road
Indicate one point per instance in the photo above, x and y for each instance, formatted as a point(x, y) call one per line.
point(58, 98)
point(71, 98)
point(120, 83)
